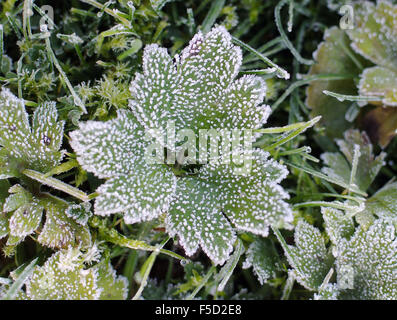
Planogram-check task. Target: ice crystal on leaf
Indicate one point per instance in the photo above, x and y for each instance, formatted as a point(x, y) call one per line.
point(64, 276)
point(263, 257)
point(364, 258)
point(309, 257)
point(22, 145)
point(22, 215)
point(381, 205)
point(197, 91)
point(116, 150)
point(372, 258)
point(337, 224)
point(328, 292)
point(340, 166)
point(375, 38)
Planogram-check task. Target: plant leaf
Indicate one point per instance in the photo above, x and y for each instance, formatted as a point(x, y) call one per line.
point(35, 147)
point(337, 225)
point(368, 165)
point(63, 277)
point(197, 219)
point(309, 256)
point(262, 256)
point(198, 91)
point(332, 58)
point(113, 287)
point(367, 264)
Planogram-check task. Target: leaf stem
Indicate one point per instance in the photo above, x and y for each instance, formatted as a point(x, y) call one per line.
point(56, 184)
point(288, 43)
point(343, 97)
point(202, 283)
point(111, 235)
point(64, 78)
point(307, 80)
point(280, 71)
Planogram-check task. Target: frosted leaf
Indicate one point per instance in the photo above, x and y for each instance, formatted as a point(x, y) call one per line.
point(331, 58)
point(60, 231)
point(328, 292)
point(309, 256)
point(263, 257)
point(252, 201)
point(17, 198)
point(375, 38)
point(198, 91)
point(337, 224)
point(196, 217)
point(35, 147)
point(26, 219)
point(116, 150)
point(111, 148)
point(62, 277)
point(113, 287)
point(375, 35)
point(22, 216)
point(368, 165)
point(380, 81)
point(4, 229)
point(26, 213)
point(383, 203)
point(143, 195)
point(369, 262)
point(79, 212)
point(11, 244)
point(338, 167)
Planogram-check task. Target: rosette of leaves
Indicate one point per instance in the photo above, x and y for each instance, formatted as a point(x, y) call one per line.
point(195, 90)
point(366, 55)
point(35, 147)
point(67, 275)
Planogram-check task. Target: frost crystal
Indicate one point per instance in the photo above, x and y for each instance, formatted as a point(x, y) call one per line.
point(65, 277)
point(22, 215)
point(23, 145)
point(371, 259)
point(375, 38)
point(340, 166)
point(383, 203)
point(263, 257)
point(197, 91)
point(309, 258)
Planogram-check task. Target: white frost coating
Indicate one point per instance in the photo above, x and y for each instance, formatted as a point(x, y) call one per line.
point(372, 257)
point(375, 38)
point(199, 90)
point(65, 277)
point(196, 91)
point(339, 165)
point(309, 256)
point(38, 145)
point(263, 259)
